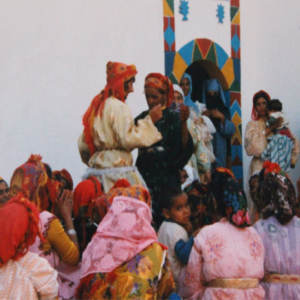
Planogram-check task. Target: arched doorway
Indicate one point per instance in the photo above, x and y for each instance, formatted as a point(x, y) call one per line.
point(211, 61)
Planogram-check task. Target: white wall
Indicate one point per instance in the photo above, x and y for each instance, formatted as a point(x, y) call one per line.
point(270, 32)
point(203, 23)
point(53, 55)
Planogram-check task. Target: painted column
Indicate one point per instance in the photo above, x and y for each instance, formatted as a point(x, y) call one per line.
point(169, 35)
point(235, 91)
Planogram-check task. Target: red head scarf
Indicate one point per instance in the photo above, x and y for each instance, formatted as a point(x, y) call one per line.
point(19, 223)
point(84, 193)
point(161, 83)
point(65, 175)
point(117, 74)
point(257, 95)
point(33, 181)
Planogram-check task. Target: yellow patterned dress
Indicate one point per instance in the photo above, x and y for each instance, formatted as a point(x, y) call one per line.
point(146, 276)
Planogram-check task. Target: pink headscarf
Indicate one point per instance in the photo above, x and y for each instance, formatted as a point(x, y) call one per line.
point(123, 233)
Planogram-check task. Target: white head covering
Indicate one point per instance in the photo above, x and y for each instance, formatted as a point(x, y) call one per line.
point(178, 89)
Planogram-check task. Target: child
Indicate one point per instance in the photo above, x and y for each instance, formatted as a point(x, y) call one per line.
point(172, 233)
point(275, 111)
point(281, 143)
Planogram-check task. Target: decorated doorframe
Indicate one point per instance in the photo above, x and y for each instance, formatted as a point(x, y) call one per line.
point(205, 50)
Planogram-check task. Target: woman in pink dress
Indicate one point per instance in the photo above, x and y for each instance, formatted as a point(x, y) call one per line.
point(279, 230)
point(226, 261)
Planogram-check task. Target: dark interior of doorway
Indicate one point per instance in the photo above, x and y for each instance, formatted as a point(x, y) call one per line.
point(199, 75)
point(202, 70)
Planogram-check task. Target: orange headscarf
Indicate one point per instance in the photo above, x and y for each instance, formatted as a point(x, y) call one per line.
point(160, 82)
point(19, 223)
point(263, 94)
point(117, 74)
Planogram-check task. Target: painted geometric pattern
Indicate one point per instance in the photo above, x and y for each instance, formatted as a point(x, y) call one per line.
point(203, 49)
point(235, 91)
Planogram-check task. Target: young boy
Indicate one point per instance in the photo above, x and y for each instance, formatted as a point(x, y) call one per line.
point(172, 233)
point(275, 111)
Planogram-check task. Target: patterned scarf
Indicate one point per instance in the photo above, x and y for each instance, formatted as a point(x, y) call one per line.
point(230, 197)
point(276, 195)
point(33, 181)
point(100, 205)
point(117, 74)
point(160, 82)
point(19, 223)
point(64, 174)
point(123, 233)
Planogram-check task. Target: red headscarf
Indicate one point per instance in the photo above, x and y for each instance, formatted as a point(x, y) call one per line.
point(84, 193)
point(160, 82)
point(265, 95)
point(117, 74)
point(33, 181)
point(19, 223)
point(65, 175)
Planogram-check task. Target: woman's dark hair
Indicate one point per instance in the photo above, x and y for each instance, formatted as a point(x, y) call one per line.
point(274, 105)
point(217, 192)
point(2, 180)
point(219, 183)
point(168, 196)
point(261, 94)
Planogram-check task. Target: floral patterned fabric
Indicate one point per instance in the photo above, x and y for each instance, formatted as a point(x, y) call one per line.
point(282, 246)
point(230, 196)
point(33, 181)
point(60, 252)
point(222, 250)
point(145, 276)
point(123, 233)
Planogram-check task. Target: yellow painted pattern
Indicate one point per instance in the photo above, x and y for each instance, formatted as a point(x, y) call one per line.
point(179, 66)
point(236, 119)
point(167, 10)
point(236, 19)
point(228, 71)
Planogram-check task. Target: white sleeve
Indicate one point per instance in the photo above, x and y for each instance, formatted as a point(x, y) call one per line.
point(42, 275)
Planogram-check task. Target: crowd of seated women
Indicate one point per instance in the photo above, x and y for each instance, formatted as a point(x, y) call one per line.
point(174, 226)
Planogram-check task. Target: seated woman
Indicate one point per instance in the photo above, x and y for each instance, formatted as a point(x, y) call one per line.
point(124, 259)
point(33, 180)
point(23, 274)
point(65, 178)
point(279, 231)
point(226, 261)
point(160, 163)
point(109, 133)
point(84, 194)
